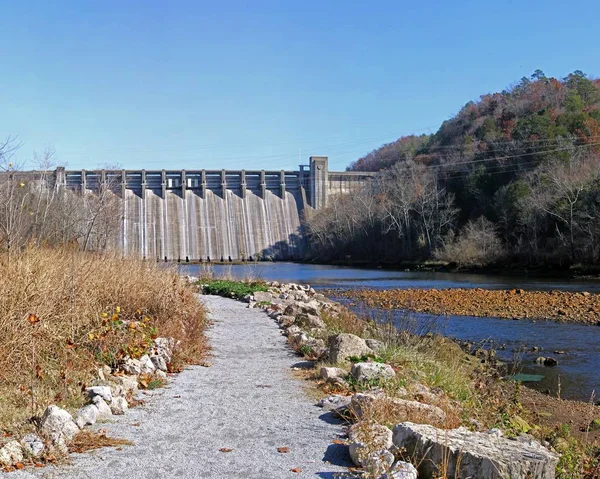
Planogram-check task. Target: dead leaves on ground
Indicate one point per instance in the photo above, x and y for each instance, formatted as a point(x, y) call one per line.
point(225, 449)
point(283, 450)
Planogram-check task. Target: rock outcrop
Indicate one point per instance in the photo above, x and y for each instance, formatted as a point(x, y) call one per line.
point(473, 454)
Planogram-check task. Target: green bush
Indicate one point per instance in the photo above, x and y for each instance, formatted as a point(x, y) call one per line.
point(233, 289)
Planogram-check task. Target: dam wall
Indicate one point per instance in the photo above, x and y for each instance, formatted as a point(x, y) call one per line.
point(200, 215)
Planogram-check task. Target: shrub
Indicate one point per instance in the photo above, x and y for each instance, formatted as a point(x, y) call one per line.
point(477, 244)
point(233, 289)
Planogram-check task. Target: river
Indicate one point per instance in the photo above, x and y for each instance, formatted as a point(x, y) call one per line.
point(578, 372)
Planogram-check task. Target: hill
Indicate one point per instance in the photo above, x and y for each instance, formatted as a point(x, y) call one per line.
point(513, 175)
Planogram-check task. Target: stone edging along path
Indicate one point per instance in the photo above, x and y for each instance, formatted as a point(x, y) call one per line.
point(245, 416)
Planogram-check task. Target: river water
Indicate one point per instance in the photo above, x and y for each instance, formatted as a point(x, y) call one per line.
point(578, 372)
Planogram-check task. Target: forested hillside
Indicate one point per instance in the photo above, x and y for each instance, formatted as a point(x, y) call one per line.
point(514, 176)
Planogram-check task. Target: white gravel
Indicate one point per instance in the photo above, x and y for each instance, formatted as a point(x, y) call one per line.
point(247, 401)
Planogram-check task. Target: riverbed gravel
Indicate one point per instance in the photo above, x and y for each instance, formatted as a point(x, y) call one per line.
point(223, 421)
point(562, 306)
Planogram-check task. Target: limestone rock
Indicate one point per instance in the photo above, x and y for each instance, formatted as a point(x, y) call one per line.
point(398, 410)
point(372, 371)
point(11, 453)
point(375, 344)
point(369, 447)
point(146, 365)
point(58, 426)
point(286, 321)
point(131, 366)
point(333, 373)
point(297, 308)
point(344, 345)
point(103, 391)
point(475, 454)
point(86, 416)
point(119, 405)
point(361, 402)
point(293, 329)
point(263, 297)
point(159, 362)
point(160, 374)
point(310, 321)
point(33, 445)
point(124, 385)
point(103, 408)
point(334, 402)
point(401, 470)
point(166, 344)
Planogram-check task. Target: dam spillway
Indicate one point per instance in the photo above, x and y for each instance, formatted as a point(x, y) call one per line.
point(197, 215)
point(186, 225)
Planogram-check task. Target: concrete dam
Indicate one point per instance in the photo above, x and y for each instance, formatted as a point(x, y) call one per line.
point(200, 215)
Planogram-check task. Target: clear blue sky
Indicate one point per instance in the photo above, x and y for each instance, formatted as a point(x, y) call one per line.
point(194, 84)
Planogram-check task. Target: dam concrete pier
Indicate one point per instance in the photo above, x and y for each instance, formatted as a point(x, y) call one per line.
point(200, 215)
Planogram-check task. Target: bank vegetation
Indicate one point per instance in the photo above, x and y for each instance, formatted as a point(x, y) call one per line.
point(70, 304)
point(512, 178)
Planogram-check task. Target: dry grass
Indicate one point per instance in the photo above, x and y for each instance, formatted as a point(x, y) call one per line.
point(90, 440)
point(61, 315)
point(345, 322)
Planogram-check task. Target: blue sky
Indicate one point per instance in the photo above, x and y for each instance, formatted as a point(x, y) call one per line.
point(231, 84)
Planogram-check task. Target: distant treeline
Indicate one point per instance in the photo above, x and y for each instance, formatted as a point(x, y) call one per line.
point(514, 176)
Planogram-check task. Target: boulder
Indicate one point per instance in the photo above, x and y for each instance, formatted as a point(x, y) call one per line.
point(550, 362)
point(103, 408)
point(344, 345)
point(146, 365)
point(298, 308)
point(131, 366)
point(103, 391)
point(86, 416)
point(58, 426)
point(286, 321)
point(401, 470)
point(119, 405)
point(396, 409)
point(11, 453)
point(124, 385)
point(375, 344)
point(33, 445)
point(159, 362)
point(333, 373)
point(372, 371)
point(369, 447)
point(164, 347)
point(293, 329)
point(263, 297)
point(335, 402)
point(473, 454)
point(361, 402)
point(310, 321)
point(299, 339)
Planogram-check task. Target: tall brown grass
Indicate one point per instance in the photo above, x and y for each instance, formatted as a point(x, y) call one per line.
point(60, 311)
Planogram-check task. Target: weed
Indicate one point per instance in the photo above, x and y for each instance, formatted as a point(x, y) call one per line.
point(233, 289)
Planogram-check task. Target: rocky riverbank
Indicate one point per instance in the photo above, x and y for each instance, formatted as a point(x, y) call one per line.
point(407, 399)
point(509, 304)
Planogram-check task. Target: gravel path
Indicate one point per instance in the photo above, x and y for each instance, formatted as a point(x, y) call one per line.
point(247, 401)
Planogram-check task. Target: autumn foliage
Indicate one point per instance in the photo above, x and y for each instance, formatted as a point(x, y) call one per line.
point(518, 169)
